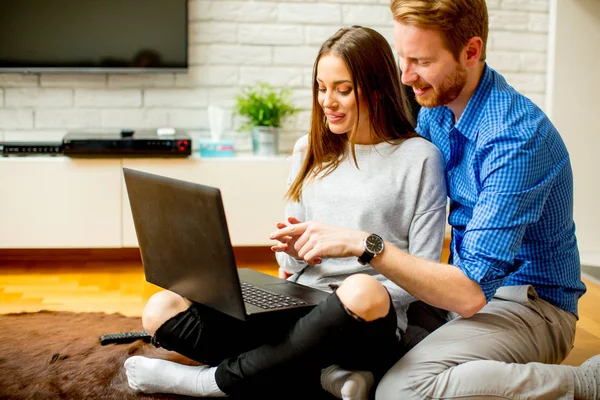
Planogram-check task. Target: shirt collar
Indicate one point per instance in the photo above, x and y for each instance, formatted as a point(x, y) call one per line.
point(467, 124)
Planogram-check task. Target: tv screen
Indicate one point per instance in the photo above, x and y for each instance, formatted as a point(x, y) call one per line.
point(93, 36)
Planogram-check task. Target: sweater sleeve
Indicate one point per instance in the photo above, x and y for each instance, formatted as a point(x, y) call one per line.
point(294, 209)
point(427, 228)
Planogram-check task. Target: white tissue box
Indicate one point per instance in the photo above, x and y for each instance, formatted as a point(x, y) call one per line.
point(216, 148)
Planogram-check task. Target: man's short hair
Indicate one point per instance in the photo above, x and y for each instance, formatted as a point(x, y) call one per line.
point(457, 20)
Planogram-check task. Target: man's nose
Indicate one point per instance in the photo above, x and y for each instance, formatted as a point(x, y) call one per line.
point(408, 76)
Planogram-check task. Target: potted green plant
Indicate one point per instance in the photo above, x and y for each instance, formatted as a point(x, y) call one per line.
point(265, 108)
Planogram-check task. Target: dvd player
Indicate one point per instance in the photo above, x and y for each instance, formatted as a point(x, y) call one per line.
point(126, 144)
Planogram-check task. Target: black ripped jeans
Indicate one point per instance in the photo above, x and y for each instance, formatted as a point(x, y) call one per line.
point(283, 356)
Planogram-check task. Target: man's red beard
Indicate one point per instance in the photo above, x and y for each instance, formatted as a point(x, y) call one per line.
point(448, 91)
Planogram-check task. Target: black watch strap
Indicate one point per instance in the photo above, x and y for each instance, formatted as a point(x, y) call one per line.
point(365, 257)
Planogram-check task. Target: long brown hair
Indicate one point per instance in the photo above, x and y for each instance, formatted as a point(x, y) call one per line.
point(370, 61)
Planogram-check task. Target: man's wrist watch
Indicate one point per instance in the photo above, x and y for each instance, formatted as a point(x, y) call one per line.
point(373, 246)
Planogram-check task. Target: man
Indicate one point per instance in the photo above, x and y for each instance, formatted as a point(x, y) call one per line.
point(514, 276)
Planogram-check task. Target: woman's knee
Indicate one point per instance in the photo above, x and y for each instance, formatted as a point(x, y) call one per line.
point(161, 307)
point(364, 296)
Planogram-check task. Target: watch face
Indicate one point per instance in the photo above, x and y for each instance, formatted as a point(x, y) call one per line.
point(374, 244)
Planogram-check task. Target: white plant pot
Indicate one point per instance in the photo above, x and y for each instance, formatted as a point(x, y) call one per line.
point(265, 140)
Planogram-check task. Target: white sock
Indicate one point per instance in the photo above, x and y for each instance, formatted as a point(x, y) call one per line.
point(152, 375)
point(347, 385)
point(587, 379)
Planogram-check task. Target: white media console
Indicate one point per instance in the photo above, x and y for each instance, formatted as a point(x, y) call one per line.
point(68, 203)
point(61, 202)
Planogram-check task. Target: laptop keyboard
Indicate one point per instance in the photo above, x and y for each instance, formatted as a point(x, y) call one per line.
point(267, 300)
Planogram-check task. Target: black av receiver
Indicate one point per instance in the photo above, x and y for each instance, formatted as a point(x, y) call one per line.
point(126, 144)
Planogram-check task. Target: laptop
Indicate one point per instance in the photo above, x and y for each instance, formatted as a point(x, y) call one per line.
point(185, 247)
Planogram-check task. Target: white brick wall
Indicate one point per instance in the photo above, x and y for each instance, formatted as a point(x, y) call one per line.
point(235, 43)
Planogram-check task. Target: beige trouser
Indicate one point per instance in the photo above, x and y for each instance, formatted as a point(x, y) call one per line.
point(505, 351)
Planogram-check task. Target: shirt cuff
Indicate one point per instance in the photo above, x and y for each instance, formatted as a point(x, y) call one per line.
point(489, 281)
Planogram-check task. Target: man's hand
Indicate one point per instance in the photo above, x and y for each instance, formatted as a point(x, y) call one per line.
point(314, 240)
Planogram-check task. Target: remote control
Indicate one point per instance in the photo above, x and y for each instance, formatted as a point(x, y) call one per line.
point(124, 337)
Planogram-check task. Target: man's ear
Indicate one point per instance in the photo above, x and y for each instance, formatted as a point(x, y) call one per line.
point(472, 51)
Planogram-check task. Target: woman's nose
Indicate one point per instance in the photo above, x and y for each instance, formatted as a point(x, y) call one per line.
point(328, 100)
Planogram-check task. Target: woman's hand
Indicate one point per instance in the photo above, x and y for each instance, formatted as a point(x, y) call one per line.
point(283, 274)
point(287, 242)
point(313, 240)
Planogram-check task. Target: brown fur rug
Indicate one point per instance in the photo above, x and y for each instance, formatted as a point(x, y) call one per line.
point(57, 355)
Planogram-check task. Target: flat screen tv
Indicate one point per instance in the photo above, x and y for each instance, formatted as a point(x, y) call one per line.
point(101, 36)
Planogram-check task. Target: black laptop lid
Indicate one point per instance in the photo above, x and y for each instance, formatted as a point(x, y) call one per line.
point(184, 241)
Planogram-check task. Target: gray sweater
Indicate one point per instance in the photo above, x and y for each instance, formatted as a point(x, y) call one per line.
point(398, 192)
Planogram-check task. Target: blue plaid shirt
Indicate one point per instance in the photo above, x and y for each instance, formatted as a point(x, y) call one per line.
point(510, 185)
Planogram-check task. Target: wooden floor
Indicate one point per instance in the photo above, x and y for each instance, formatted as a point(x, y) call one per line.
point(119, 287)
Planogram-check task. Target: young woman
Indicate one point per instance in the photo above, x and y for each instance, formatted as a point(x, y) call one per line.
point(360, 167)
